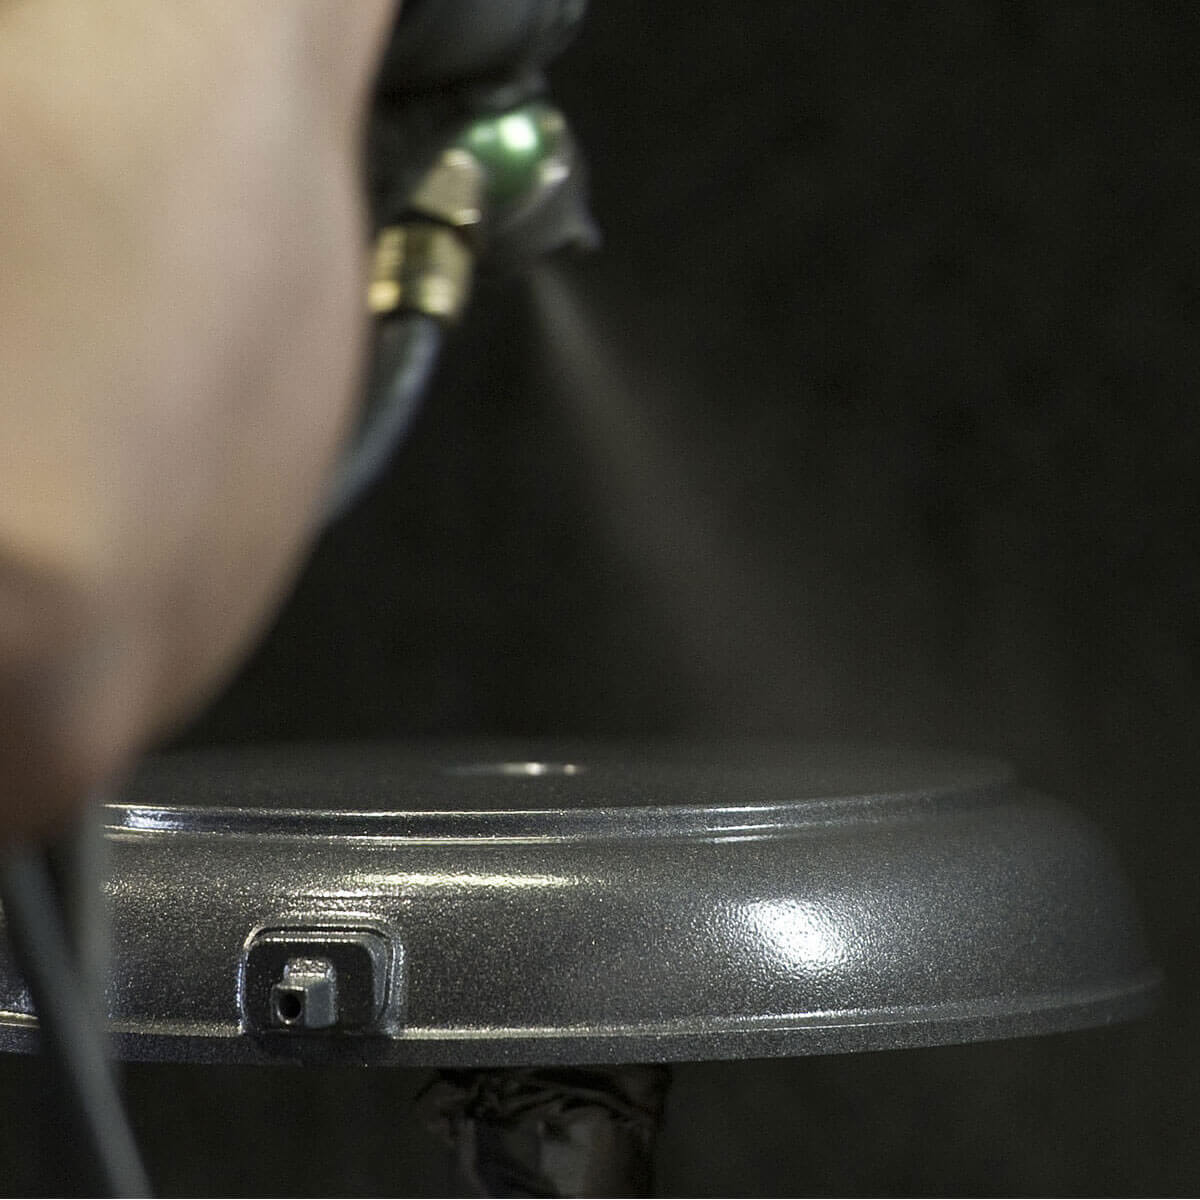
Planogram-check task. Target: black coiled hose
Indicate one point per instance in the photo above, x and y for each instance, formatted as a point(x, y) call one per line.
point(404, 356)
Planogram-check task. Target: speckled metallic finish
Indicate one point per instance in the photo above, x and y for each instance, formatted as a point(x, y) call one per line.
point(572, 903)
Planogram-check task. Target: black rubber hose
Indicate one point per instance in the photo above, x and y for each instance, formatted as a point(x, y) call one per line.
point(403, 359)
point(68, 1023)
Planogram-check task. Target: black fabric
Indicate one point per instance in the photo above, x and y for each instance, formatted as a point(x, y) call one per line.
point(443, 42)
point(550, 1132)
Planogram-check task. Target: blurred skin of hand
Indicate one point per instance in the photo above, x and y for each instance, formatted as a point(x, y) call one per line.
point(181, 261)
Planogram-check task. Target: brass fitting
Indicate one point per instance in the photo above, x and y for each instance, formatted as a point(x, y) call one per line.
point(452, 191)
point(420, 267)
point(425, 264)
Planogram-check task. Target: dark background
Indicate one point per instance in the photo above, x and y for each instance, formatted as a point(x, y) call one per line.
point(897, 319)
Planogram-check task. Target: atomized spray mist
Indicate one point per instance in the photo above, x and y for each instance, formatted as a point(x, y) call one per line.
point(736, 632)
